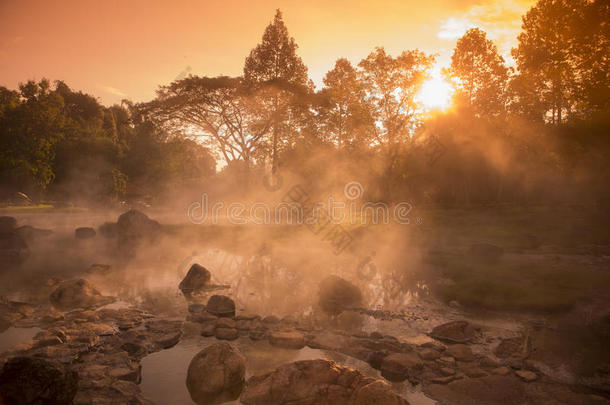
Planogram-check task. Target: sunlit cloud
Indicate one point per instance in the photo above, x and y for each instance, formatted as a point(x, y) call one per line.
point(113, 91)
point(501, 21)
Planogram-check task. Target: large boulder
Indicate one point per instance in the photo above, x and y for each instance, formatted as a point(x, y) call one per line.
point(29, 233)
point(134, 227)
point(318, 381)
point(402, 366)
point(337, 294)
point(84, 233)
point(196, 279)
point(13, 248)
point(31, 380)
point(454, 332)
point(77, 293)
point(221, 306)
point(216, 374)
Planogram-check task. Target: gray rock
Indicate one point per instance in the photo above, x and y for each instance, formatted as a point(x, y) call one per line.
point(287, 340)
point(196, 279)
point(221, 306)
point(337, 294)
point(84, 233)
point(454, 332)
point(216, 374)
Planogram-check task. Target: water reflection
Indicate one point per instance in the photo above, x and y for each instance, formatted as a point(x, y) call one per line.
point(13, 336)
point(164, 373)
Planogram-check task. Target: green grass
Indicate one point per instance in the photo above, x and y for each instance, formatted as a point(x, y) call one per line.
point(15, 209)
point(562, 226)
point(520, 287)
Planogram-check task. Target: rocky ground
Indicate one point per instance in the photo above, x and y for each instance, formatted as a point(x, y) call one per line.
point(89, 349)
point(96, 355)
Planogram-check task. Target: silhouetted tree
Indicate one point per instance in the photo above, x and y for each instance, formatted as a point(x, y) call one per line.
point(479, 74)
point(277, 77)
point(343, 112)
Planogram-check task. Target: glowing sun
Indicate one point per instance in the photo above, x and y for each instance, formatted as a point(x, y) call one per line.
point(436, 93)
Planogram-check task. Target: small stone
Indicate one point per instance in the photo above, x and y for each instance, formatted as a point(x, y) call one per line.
point(226, 333)
point(429, 354)
point(446, 371)
point(169, 339)
point(225, 323)
point(221, 306)
point(208, 330)
point(501, 371)
point(442, 380)
point(489, 362)
point(447, 360)
point(526, 375)
point(84, 233)
point(474, 372)
point(287, 340)
point(461, 352)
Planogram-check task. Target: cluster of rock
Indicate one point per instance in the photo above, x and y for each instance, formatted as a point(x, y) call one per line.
point(90, 357)
point(318, 382)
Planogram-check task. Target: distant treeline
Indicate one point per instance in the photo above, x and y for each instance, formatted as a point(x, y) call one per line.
point(535, 133)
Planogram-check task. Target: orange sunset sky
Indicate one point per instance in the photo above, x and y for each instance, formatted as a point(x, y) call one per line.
point(125, 49)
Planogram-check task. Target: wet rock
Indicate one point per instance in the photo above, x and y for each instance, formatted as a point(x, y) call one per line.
point(13, 249)
point(221, 306)
point(486, 252)
point(489, 362)
point(225, 323)
point(516, 347)
point(243, 324)
point(208, 330)
point(258, 333)
point(445, 360)
point(216, 374)
point(443, 380)
point(134, 350)
point(446, 371)
point(29, 233)
point(378, 392)
point(317, 382)
point(527, 376)
point(460, 352)
point(226, 333)
point(270, 320)
point(287, 340)
point(402, 366)
point(196, 279)
point(30, 380)
point(84, 233)
point(134, 227)
point(168, 340)
point(77, 293)
point(454, 332)
point(501, 371)
point(429, 354)
point(337, 294)
point(473, 372)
